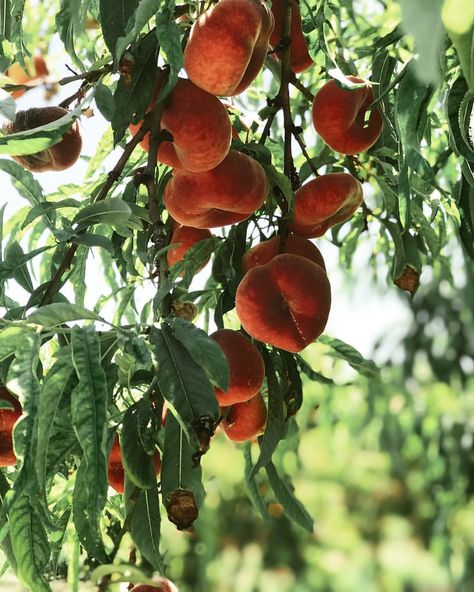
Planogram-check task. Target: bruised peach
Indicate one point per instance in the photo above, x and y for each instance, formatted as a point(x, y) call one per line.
point(285, 302)
point(185, 237)
point(300, 59)
point(163, 586)
point(341, 117)
point(228, 45)
point(324, 202)
point(247, 370)
point(294, 244)
point(227, 194)
point(8, 418)
point(200, 127)
point(245, 421)
point(115, 470)
point(55, 158)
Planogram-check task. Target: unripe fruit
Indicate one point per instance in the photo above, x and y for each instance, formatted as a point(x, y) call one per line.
point(300, 59)
point(246, 366)
point(185, 237)
point(8, 418)
point(56, 158)
point(340, 117)
point(285, 302)
point(294, 245)
point(245, 421)
point(227, 194)
point(324, 202)
point(200, 126)
point(228, 45)
point(115, 470)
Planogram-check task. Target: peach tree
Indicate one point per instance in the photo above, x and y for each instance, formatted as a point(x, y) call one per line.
point(170, 293)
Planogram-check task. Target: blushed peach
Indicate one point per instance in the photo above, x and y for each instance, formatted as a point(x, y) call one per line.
point(324, 202)
point(227, 194)
point(8, 418)
point(295, 245)
point(341, 117)
point(300, 59)
point(245, 421)
point(228, 45)
point(285, 302)
point(246, 366)
point(36, 70)
point(185, 237)
point(163, 586)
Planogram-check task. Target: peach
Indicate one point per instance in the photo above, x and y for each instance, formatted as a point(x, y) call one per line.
point(246, 366)
point(295, 245)
point(8, 418)
point(300, 59)
point(185, 237)
point(228, 45)
point(163, 586)
point(245, 421)
point(227, 194)
point(285, 302)
point(36, 71)
point(55, 158)
point(116, 472)
point(341, 118)
point(200, 126)
point(324, 202)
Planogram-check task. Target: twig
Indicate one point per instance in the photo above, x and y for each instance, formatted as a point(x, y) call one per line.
point(302, 146)
point(301, 87)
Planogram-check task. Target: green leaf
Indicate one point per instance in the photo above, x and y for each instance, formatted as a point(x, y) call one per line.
point(140, 17)
point(350, 355)
point(181, 477)
point(15, 258)
point(113, 211)
point(60, 312)
point(252, 487)
point(114, 16)
point(89, 419)
point(203, 349)
point(457, 97)
point(5, 540)
point(145, 527)
point(167, 32)
point(93, 240)
point(466, 211)
point(9, 338)
point(104, 99)
point(284, 494)
point(7, 104)
point(46, 208)
point(69, 26)
point(458, 18)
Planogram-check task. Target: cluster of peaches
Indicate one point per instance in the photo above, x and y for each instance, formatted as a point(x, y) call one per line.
point(284, 297)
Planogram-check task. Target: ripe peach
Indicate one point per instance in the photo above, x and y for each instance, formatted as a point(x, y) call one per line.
point(340, 117)
point(200, 126)
point(35, 71)
point(227, 194)
point(163, 586)
point(295, 245)
point(300, 59)
point(285, 302)
point(185, 237)
point(324, 202)
point(8, 418)
point(245, 420)
point(228, 45)
point(56, 158)
point(116, 473)
point(246, 366)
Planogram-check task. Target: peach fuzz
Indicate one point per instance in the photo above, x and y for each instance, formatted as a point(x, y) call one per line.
point(200, 127)
point(246, 366)
point(294, 245)
point(59, 157)
point(227, 46)
point(285, 302)
point(185, 237)
point(245, 421)
point(339, 117)
point(324, 202)
point(227, 194)
point(8, 418)
point(300, 59)
point(115, 470)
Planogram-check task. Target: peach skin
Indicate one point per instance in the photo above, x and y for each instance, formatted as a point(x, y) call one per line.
point(185, 237)
point(245, 421)
point(8, 418)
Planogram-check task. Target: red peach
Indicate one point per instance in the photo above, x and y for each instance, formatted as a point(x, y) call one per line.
point(324, 202)
point(185, 237)
point(295, 245)
point(200, 126)
point(285, 302)
point(163, 586)
point(300, 59)
point(245, 420)
point(246, 366)
point(8, 418)
point(116, 473)
point(228, 45)
point(231, 192)
point(339, 117)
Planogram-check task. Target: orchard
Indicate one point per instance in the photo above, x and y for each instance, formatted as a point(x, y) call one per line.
point(194, 395)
